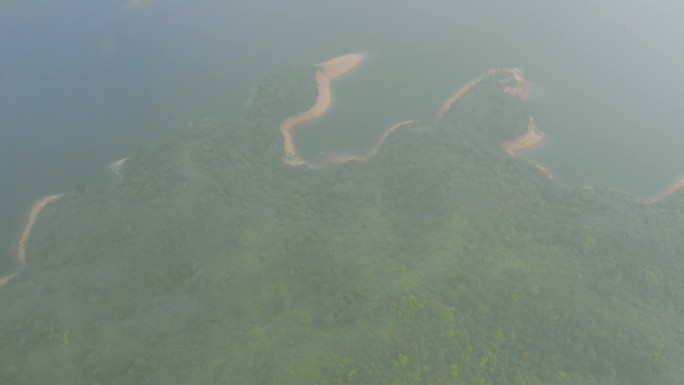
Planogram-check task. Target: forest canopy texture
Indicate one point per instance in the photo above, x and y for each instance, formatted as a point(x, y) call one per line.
point(440, 260)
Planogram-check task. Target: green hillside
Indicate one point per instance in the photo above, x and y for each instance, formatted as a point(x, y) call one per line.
point(441, 260)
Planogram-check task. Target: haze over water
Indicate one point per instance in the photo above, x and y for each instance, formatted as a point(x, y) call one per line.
point(82, 83)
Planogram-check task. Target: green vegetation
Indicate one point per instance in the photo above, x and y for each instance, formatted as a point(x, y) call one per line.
point(442, 260)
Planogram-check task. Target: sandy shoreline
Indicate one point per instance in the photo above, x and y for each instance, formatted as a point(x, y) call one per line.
point(462, 91)
point(386, 135)
point(327, 72)
point(677, 185)
point(35, 211)
point(532, 138)
point(343, 158)
point(23, 241)
point(515, 84)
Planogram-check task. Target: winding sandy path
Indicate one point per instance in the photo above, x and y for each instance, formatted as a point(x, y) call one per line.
point(23, 241)
point(327, 72)
point(518, 86)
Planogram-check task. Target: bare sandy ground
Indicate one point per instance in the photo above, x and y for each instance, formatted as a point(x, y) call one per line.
point(327, 72)
point(515, 84)
point(117, 166)
point(532, 138)
point(387, 134)
point(679, 184)
point(342, 158)
point(35, 211)
point(23, 241)
point(6, 279)
point(462, 91)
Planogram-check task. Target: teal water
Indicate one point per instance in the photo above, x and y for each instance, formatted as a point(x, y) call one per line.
point(83, 83)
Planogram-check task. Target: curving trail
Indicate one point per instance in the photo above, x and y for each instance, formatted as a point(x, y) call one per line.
point(23, 241)
point(516, 84)
point(327, 72)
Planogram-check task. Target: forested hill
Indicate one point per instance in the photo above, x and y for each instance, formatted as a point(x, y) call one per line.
point(441, 260)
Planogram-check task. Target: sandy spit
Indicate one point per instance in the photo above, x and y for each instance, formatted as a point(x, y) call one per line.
point(516, 84)
point(327, 72)
point(6, 279)
point(532, 138)
point(35, 211)
point(679, 184)
point(23, 241)
point(462, 91)
point(387, 134)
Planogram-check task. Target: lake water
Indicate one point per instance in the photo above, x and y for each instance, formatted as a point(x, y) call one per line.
point(82, 83)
